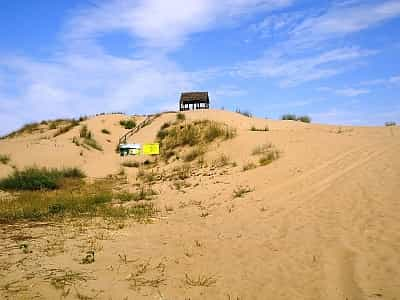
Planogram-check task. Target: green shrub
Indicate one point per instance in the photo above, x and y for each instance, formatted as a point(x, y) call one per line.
point(293, 117)
point(105, 131)
point(289, 117)
point(391, 123)
point(128, 124)
point(38, 178)
point(4, 159)
point(304, 119)
point(27, 128)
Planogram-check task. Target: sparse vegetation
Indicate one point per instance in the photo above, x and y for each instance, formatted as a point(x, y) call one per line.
point(38, 178)
point(142, 193)
point(240, 191)
point(191, 134)
point(390, 123)
point(128, 124)
point(5, 158)
point(293, 117)
point(105, 131)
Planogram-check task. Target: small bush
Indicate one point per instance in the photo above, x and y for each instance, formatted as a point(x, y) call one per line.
point(128, 124)
point(289, 117)
point(253, 128)
point(180, 117)
point(293, 117)
point(141, 194)
point(36, 179)
point(105, 131)
point(304, 119)
point(391, 123)
point(4, 159)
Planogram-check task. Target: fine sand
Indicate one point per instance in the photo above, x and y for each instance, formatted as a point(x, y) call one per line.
point(320, 222)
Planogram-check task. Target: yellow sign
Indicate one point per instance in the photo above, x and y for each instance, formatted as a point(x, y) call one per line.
point(151, 149)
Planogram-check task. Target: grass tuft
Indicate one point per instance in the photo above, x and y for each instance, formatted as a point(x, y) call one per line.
point(201, 280)
point(105, 131)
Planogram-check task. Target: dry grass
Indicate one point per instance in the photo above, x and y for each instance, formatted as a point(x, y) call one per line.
point(240, 191)
point(200, 280)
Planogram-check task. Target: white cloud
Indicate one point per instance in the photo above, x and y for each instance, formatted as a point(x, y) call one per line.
point(352, 92)
point(391, 81)
point(294, 71)
point(160, 23)
point(341, 20)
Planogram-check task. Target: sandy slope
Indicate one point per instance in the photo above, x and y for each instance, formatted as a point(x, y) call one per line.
point(321, 223)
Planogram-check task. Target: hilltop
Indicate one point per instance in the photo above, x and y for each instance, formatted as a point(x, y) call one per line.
point(246, 208)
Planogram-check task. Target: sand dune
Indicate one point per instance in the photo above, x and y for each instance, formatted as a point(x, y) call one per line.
point(320, 222)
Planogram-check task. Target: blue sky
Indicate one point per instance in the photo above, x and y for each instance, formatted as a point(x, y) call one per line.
point(337, 61)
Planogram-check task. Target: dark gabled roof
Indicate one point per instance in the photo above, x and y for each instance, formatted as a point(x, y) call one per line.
point(194, 97)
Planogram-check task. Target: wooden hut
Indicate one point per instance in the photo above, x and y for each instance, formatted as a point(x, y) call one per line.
point(194, 100)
